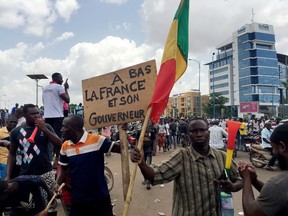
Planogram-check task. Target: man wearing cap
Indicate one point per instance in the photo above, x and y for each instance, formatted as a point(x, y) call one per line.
point(266, 144)
point(183, 130)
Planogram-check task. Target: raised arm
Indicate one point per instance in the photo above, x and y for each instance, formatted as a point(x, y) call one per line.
point(65, 96)
point(55, 140)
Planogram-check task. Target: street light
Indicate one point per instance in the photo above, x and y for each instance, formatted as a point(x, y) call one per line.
point(273, 111)
point(37, 77)
point(199, 70)
point(213, 85)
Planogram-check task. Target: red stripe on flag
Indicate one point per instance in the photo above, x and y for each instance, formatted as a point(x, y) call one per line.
point(163, 87)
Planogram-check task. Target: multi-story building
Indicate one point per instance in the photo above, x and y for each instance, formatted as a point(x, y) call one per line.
point(245, 69)
point(186, 104)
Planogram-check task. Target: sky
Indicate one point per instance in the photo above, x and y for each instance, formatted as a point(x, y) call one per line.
point(84, 39)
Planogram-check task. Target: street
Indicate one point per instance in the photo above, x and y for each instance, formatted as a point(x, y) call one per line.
point(158, 200)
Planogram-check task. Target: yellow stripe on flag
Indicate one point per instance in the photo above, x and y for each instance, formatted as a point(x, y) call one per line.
point(171, 43)
point(229, 155)
point(172, 51)
point(181, 65)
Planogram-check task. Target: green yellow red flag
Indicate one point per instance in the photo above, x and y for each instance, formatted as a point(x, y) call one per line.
point(174, 60)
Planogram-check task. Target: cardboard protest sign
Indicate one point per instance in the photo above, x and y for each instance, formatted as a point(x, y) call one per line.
point(118, 97)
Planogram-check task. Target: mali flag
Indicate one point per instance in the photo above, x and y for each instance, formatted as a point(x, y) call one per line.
point(174, 60)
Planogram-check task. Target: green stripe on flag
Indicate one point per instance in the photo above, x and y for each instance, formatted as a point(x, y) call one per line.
point(182, 15)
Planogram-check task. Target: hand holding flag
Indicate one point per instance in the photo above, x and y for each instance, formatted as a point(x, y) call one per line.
point(174, 64)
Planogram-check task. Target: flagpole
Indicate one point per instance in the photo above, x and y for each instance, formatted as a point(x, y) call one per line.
point(133, 175)
point(124, 161)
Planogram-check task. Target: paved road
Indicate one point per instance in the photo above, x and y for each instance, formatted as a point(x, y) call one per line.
point(159, 199)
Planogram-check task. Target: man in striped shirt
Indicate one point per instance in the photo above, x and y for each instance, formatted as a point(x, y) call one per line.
point(194, 171)
point(82, 157)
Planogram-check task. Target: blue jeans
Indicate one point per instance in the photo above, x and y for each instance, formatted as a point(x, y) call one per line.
point(167, 142)
point(3, 168)
point(174, 138)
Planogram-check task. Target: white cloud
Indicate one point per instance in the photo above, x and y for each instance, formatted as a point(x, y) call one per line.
point(9, 17)
point(66, 8)
point(210, 24)
point(62, 37)
point(126, 26)
point(111, 53)
point(85, 60)
point(36, 17)
point(36, 48)
point(114, 1)
point(123, 26)
point(65, 36)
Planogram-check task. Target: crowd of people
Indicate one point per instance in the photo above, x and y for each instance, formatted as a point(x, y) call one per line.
point(34, 142)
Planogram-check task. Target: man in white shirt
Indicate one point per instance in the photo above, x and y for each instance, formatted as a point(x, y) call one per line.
point(222, 123)
point(216, 135)
point(53, 96)
point(167, 137)
point(266, 144)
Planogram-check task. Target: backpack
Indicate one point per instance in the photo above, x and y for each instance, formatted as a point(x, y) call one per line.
point(173, 127)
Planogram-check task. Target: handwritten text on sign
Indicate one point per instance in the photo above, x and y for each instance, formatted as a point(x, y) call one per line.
point(118, 97)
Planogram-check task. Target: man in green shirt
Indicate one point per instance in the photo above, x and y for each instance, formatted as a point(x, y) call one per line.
point(195, 170)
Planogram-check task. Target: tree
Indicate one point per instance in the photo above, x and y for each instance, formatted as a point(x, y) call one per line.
point(220, 108)
point(72, 108)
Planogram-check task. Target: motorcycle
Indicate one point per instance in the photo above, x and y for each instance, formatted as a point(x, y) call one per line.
point(259, 157)
point(131, 139)
point(253, 137)
point(108, 177)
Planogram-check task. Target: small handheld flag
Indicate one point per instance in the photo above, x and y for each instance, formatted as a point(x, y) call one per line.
point(233, 127)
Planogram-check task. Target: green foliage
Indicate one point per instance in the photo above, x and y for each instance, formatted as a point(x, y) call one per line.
point(220, 109)
point(72, 108)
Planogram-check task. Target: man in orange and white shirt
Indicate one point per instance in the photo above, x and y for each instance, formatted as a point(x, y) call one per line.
point(84, 153)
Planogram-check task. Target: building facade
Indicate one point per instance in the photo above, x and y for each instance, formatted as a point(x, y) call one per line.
point(247, 71)
point(186, 104)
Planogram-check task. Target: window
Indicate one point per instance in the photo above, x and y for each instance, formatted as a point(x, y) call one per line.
point(263, 27)
point(219, 85)
point(264, 46)
point(224, 77)
point(220, 70)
